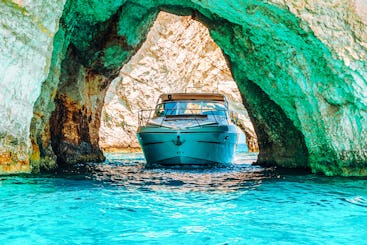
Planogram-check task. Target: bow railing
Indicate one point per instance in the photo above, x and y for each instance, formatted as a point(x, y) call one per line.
point(198, 115)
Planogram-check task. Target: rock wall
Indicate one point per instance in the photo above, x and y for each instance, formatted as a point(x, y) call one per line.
point(299, 65)
point(178, 55)
point(27, 29)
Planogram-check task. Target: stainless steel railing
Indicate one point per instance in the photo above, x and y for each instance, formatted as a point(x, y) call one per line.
point(198, 115)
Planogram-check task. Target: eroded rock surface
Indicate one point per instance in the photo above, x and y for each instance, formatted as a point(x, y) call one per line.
point(178, 56)
point(26, 42)
point(300, 66)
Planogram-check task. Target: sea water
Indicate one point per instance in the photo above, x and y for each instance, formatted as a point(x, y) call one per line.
point(122, 202)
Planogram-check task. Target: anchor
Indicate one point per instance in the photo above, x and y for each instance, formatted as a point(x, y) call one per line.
point(178, 141)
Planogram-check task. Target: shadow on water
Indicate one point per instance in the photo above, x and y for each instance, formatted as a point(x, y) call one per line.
point(127, 172)
point(127, 201)
point(130, 171)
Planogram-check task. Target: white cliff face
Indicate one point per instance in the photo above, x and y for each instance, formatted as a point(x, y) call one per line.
point(178, 55)
point(26, 42)
point(361, 8)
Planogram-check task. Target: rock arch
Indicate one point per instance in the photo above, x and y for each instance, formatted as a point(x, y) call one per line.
point(297, 92)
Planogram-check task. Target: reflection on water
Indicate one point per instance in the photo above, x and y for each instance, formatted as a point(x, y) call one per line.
point(122, 202)
point(129, 170)
point(358, 200)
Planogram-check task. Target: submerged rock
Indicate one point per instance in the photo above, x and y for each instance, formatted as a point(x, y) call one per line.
point(300, 67)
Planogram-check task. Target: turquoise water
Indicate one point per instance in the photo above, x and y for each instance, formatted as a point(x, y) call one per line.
point(121, 202)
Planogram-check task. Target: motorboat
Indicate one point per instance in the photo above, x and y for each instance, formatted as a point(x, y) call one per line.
point(188, 129)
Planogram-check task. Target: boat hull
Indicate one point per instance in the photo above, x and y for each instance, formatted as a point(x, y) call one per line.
point(194, 146)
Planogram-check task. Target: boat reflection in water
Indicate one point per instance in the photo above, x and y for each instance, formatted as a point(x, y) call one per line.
point(188, 128)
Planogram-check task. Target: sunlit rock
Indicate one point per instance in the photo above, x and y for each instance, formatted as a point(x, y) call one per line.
point(26, 43)
point(299, 65)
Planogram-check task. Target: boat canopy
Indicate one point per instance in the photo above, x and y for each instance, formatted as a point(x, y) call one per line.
point(192, 96)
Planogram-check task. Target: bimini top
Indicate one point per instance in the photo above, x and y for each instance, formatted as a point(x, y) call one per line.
point(192, 96)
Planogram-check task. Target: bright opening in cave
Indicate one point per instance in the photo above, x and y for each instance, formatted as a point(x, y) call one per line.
point(177, 56)
point(88, 55)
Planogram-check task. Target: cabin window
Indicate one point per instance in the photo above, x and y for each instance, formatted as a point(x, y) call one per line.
point(190, 108)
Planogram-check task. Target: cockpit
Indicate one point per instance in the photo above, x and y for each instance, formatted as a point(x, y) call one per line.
point(187, 107)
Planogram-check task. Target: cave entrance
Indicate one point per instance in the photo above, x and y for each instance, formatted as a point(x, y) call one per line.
point(178, 56)
point(93, 42)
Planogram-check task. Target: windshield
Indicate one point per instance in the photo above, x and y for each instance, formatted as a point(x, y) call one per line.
point(190, 108)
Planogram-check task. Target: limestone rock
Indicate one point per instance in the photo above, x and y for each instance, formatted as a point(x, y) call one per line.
point(300, 67)
point(27, 29)
point(178, 56)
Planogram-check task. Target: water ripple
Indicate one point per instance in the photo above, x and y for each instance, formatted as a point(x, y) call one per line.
point(122, 202)
point(181, 179)
point(358, 200)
